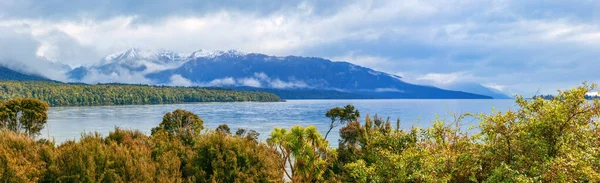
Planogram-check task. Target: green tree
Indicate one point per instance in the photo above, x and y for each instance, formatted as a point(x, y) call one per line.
point(27, 115)
point(223, 128)
point(304, 151)
point(550, 140)
point(220, 157)
point(342, 116)
point(181, 123)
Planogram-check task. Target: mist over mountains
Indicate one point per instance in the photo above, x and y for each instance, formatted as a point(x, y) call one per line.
point(290, 75)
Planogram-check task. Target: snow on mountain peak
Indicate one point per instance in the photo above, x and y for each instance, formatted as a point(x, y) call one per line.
point(137, 54)
point(212, 54)
point(144, 60)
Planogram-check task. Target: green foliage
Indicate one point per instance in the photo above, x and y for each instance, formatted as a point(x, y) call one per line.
point(341, 116)
point(181, 123)
point(23, 115)
point(225, 158)
point(124, 156)
point(304, 151)
point(552, 140)
point(223, 128)
point(555, 140)
point(59, 94)
point(131, 156)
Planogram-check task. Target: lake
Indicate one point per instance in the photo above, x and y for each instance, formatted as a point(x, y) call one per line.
point(66, 123)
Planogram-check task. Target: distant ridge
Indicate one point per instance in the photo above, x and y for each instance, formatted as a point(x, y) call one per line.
point(9, 74)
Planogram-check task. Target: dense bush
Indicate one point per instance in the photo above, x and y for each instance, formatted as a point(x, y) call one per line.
point(60, 94)
point(556, 140)
point(131, 156)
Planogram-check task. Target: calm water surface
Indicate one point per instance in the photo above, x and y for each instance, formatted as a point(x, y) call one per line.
point(66, 123)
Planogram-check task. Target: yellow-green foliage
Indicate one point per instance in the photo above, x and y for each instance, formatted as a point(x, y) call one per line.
point(304, 151)
point(124, 156)
point(22, 159)
point(23, 115)
point(225, 158)
point(59, 94)
point(555, 140)
point(131, 156)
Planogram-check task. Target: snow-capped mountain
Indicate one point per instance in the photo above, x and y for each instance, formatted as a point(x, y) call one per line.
point(214, 54)
point(238, 69)
point(131, 61)
point(145, 61)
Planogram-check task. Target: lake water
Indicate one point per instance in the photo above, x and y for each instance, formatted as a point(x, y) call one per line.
point(66, 123)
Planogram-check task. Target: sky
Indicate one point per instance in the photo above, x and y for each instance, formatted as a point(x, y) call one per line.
point(518, 47)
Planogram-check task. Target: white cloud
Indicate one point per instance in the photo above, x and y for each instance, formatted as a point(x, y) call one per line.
point(261, 76)
point(252, 82)
point(277, 83)
point(373, 62)
point(446, 78)
point(495, 86)
point(388, 90)
point(497, 42)
point(227, 81)
point(122, 76)
point(178, 80)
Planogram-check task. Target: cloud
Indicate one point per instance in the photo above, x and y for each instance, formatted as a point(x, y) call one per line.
point(495, 86)
point(388, 90)
point(520, 45)
point(278, 83)
point(153, 9)
point(120, 76)
point(178, 80)
point(228, 81)
point(252, 82)
point(445, 78)
point(261, 76)
point(257, 80)
point(18, 51)
point(373, 62)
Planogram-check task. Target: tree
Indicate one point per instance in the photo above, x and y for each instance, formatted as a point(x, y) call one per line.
point(342, 116)
point(27, 115)
point(220, 157)
point(181, 123)
point(248, 134)
point(304, 151)
point(547, 139)
point(224, 128)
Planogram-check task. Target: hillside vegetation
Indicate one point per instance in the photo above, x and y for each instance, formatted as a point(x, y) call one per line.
point(60, 94)
point(555, 140)
point(9, 74)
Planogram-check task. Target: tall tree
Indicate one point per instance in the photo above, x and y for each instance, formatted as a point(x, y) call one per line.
point(342, 116)
point(24, 115)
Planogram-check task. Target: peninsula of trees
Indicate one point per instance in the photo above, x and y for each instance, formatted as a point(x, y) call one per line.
point(61, 94)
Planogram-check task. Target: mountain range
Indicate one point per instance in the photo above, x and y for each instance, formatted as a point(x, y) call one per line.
point(291, 76)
